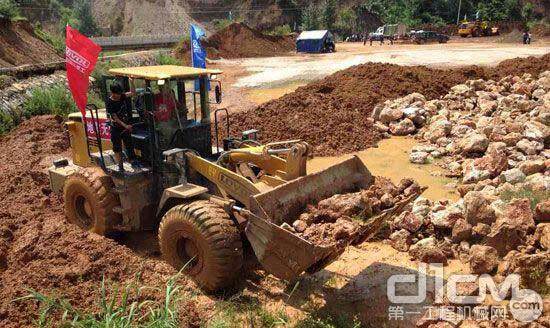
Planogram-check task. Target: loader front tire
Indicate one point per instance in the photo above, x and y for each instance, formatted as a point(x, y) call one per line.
point(201, 238)
point(90, 200)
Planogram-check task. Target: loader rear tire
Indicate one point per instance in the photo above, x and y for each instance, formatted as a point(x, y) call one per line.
point(201, 238)
point(90, 199)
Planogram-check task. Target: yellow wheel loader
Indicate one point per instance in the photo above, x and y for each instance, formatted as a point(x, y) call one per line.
point(204, 195)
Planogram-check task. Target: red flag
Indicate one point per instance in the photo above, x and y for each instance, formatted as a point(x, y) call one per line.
point(80, 56)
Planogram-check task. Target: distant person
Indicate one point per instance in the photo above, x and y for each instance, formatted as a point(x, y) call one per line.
point(120, 120)
point(526, 37)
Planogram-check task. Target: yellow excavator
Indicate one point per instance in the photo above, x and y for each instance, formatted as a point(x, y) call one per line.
point(205, 196)
point(477, 28)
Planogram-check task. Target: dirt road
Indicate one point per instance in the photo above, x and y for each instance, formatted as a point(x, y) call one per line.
point(252, 81)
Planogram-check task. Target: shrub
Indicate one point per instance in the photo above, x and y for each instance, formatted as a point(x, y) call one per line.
point(220, 24)
point(9, 9)
point(166, 59)
point(6, 123)
point(57, 42)
point(103, 67)
point(56, 100)
point(281, 30)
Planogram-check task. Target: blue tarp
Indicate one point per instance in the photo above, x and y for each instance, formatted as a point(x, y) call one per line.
point(312, 41)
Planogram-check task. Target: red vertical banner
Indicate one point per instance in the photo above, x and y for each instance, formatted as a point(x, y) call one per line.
point(80, 56)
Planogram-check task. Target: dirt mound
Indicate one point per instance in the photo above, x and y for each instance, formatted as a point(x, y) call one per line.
point(333, 114)
point(20, 46)
point(38, 249)
point(238, 40)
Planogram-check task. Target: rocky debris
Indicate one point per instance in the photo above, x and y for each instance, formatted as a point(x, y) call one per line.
point(338, 218)
point(481, 129)
point(480, 229)
point(483, 259)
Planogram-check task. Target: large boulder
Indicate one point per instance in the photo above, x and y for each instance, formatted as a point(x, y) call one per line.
point(536, 131)
point(462, 230)
point(419, 157)
point(401, 240)
point(477, 208)
point(483, 259)
point(438, 129)
point(446, 218)
point(542, 235)
point(408, 221)
point(511, 229)
point(403, 127)
point(512, 176)
point(473, 143)
point(390, 114)
point(532, 166)
point(429, 254)
point(487, 167)
point(542, 211)
point(529, 147)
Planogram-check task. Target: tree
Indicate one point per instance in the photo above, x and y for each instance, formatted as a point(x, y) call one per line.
point(311, 18)
point(346, 23)
point(83, 13)
point(9, 9)
point(329, 14)
point(527, 12)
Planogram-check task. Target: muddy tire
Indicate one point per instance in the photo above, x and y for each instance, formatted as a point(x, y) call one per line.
point(90, 200)
point(202, 237)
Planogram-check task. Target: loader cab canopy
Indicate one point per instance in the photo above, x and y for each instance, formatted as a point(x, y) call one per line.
point(315, 41)
point(171, 106)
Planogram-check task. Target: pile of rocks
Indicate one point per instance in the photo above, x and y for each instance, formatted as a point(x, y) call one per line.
point(495, 137)
point(482, 129)
point(479, 228)
point(338, 218)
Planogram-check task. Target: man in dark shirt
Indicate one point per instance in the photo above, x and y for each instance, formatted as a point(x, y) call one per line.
point(121, 129)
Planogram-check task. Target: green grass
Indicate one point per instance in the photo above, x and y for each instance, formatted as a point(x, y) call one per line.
point(341, 321)
point(242, 312)
point(534, 196)
point(56, 100)
point(115, 311)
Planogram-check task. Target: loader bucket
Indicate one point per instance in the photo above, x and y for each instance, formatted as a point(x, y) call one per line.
point(286, 255)
point(281, 252)
point(285, 202)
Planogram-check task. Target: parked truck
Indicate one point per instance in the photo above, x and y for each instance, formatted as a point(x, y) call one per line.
point(389, 32)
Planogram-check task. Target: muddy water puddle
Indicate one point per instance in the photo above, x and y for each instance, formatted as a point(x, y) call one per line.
point(263, 95)
point(391, 160)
